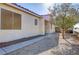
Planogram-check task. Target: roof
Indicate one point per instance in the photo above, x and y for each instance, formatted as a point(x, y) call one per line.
point(46, 17)
point(23, 9)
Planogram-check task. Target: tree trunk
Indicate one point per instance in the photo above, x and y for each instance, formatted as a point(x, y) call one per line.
point(63, 33)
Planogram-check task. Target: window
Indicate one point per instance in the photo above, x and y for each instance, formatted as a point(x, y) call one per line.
point(36, 22)
point(6, 17)
point(10, 20)
point(17, 21)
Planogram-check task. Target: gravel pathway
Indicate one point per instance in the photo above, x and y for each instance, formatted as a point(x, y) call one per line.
point(49, 41)
point(65, 47)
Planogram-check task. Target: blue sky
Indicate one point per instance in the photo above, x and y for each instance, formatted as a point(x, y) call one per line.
point(38, 8)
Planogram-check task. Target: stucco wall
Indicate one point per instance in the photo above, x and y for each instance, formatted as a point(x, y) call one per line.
point(49, 28)
point(42, 26)
point(27, 26)
point(53, 28)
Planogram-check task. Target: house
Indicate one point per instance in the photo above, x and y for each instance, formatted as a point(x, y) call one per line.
point(49, 27)
point(17, 22)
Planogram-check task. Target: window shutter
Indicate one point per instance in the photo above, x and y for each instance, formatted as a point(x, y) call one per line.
point(10, 20)
point(6, 19)
point(17, 21)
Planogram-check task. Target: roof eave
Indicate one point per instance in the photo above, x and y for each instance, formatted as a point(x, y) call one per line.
point(17, 7)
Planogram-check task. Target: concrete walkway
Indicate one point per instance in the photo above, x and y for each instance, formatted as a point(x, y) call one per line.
point(42, 44)
point(31, 47)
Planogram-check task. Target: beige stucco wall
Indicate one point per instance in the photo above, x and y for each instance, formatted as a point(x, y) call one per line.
point(53, 28)
point(49, 28)
point(42, 26)
point(28, 28)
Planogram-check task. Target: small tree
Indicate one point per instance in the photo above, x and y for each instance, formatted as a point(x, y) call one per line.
point(63, 16)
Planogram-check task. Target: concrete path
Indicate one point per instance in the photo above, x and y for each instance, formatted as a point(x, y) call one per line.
point(42, 44)
point(45, 45)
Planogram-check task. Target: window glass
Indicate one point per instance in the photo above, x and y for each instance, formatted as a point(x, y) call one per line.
point(36, 22)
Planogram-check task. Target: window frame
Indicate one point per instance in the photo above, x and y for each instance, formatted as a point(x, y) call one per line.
point(36, 22)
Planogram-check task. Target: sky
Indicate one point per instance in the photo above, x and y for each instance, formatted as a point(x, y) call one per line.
point(39, 8)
